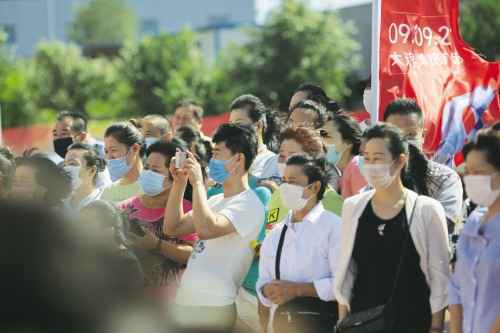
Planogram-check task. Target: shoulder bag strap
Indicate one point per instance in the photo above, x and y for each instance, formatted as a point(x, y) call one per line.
point(278, 253)
point(404, 243)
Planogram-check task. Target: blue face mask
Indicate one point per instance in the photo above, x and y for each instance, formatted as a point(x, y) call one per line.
point(331, 154)
point(118, 168)
point(217, 170)
point(151, 182)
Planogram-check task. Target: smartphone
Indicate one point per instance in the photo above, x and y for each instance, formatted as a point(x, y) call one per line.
point(135, 227)
point(180, 157)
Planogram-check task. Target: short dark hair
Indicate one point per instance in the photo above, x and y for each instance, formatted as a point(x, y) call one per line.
point(47, 174)
point(257, 111)
point(349, 129)
point(403, 107)
point(488, 142)
point(91, 157)
point(125, 133)
point(320, 110)
point(314, 169)
point(317, 94)
point(238, 139)
point(80, 121)
point(195, 107)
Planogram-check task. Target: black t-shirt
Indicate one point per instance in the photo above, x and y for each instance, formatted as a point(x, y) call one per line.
point(377, 253)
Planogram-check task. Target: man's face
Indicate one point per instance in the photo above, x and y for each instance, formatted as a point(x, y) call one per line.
point(411, 126)
point(62, 128)
point(184, 117)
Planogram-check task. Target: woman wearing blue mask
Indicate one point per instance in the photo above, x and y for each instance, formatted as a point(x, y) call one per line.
point(342, 138)
point(161, 257)
point(83, 164)
point(123, 143)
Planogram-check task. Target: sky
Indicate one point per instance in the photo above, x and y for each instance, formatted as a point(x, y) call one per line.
point(264, 6)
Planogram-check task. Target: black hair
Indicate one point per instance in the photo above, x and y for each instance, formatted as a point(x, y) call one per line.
point(193, 137)
point(403, 107)
point(314, 169)
point(257, 111)
point(48, 175)
point(320, 110)
point(193, 106)
point(126, 133)
point(349, 129)
point(415, 175)
point(317, 94)
point(367, 83)
point(496, 126)
point(91, 157)
point(80, 121)
point(238, 139)
point(488, 142)
point(7, 168)
point(167, 149)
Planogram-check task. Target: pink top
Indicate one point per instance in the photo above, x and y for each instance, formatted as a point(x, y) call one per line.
point(151, 218)
point(352, 181)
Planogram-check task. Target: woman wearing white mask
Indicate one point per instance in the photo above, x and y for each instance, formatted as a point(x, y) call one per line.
point(298, 256)
point(161, 257)
point(394, 245)
point(342, 138)
point(300, 141)
point(84, 165)
point(123, 143)
point(474, 290)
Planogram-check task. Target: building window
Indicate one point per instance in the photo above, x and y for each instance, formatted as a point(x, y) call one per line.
point(150, 27)
point(10, 30)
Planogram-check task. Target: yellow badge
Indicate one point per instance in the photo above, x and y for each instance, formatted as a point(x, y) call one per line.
point(273, 215)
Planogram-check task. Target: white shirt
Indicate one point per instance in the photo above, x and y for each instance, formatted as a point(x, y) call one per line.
point(93, 196)
point(429, 234)
point(265, 164)
point(217, 267)
point(309, 253)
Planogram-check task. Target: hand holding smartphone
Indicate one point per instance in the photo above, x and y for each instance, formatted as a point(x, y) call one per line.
point(180, 157)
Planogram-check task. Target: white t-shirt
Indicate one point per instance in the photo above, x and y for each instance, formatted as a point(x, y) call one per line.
point(217, 267)
point(265, 166)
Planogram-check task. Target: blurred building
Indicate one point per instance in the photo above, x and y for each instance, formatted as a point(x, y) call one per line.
point(219, 22)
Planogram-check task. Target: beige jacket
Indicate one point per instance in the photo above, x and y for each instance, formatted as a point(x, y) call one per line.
point(428, 231)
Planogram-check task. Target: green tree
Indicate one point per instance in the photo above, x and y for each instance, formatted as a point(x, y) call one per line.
point(296, 44)
point(104, 23)
point(480, 26)
point(163, 69)
point(64, 79)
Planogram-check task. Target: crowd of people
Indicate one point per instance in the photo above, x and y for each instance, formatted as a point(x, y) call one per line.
point(295, 221)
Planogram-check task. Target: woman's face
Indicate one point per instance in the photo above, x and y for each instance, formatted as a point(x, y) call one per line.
point(240, 117)
point(288, 148)
point(294, 175)
point(115, 149)
point(158, 163)
point(332, 136)
point(476, 163)
point(377, 152)
point(302, 118)
point(74, 157)
point(25, 185)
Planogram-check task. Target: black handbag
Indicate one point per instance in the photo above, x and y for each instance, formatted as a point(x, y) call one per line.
point(380, 318)
point(303, 314)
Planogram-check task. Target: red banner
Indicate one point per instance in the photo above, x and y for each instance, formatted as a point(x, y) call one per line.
point(419, 53)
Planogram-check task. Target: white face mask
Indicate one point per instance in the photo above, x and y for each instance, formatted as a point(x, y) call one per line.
point(292, 196)
point(478, 188)
point(367, 99)
point(378, 176)
point(281, 169)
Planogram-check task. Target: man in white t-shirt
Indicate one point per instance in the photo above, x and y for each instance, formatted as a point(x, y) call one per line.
point(226, 224)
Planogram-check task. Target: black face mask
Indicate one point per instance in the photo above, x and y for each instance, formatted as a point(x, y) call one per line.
point(61, 146)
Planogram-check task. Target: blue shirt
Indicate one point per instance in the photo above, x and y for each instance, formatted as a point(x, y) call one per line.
point(475, 283)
